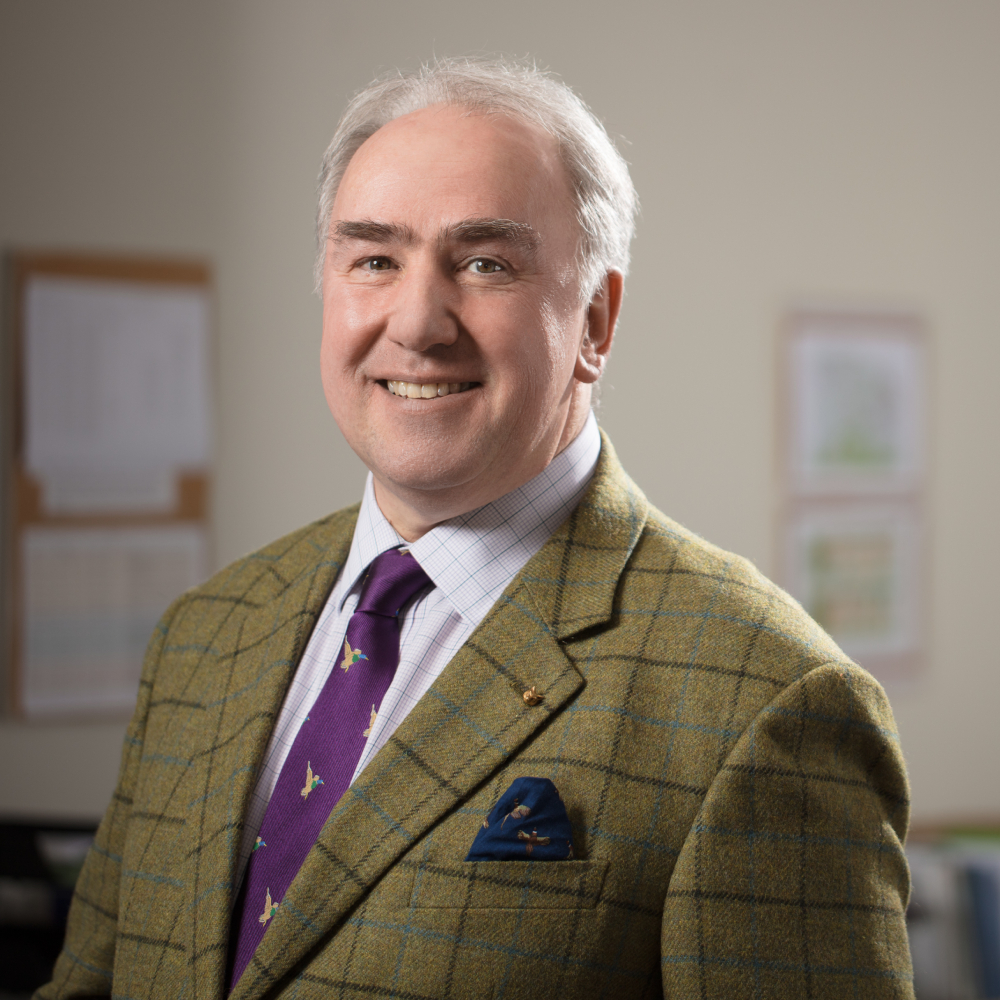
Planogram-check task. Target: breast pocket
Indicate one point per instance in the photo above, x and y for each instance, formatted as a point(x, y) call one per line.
point(509, 885)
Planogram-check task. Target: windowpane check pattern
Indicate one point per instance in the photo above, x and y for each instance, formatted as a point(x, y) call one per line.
point(735, 786)
point(470, 559)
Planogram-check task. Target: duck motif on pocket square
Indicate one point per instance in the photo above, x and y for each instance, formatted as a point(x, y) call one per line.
point(528, 823)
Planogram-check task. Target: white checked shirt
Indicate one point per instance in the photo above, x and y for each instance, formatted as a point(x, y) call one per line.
point(470, 560)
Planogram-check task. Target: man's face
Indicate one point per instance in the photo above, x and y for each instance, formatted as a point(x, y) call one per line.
point(450, 263)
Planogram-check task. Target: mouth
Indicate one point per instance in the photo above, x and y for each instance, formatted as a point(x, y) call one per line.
point(425, 390)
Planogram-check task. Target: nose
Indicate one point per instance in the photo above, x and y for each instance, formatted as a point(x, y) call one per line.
point(423, 311)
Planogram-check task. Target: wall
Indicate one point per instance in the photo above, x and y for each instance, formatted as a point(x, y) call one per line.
point(784, 152)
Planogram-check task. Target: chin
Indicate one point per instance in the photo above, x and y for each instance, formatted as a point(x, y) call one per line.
point(432, 479)
point(430, 466)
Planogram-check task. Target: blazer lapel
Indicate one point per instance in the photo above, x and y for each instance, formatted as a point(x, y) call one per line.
point(473, 720)
point(276, 599)
point(573, 580)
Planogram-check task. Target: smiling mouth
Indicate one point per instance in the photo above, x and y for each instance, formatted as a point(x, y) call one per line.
point(426, 390)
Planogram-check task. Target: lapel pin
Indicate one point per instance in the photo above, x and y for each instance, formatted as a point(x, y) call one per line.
point(531, 696)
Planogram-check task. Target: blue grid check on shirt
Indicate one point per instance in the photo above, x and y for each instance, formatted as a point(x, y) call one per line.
point(470, 559)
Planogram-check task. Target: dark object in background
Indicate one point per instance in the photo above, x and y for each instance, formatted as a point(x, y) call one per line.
point(954, 914)
point(39, 865)
point(984, 895)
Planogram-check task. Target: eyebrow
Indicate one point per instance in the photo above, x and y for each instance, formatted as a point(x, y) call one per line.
point(468, 231)
point(518, 234)
point(371, 231)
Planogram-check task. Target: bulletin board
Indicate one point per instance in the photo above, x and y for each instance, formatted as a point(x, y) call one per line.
point(853, 448)
point(106, 470)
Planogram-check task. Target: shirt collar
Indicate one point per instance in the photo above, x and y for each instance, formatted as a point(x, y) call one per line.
point(471, 558)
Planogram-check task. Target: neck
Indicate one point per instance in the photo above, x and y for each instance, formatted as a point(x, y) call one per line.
point(413, 513)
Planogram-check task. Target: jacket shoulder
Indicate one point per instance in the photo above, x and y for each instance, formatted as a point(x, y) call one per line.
point(741, 616)
point(253, 614)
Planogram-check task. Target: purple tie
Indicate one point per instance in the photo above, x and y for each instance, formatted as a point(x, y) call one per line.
point(321, 762)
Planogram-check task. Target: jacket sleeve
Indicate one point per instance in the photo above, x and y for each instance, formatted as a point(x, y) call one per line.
point(85, 964)
point(792, 881)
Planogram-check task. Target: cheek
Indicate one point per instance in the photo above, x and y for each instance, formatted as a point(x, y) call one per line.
point(340, 348)
point(328, 361)
point(330, 368)
point(331, 350)
point(558, 341)
point(515, 333)
point(349, 320)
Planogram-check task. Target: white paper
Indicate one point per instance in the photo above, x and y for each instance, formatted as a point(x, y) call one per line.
point(857, 407)
point(117, 387)
point(91, 600)
point(108, 491)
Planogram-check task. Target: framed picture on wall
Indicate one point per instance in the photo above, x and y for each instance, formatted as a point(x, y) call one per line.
point(852, 436)
point(857, 569)
point(855, 404)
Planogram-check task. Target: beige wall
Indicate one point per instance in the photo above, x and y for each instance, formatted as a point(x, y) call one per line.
point(784, 152)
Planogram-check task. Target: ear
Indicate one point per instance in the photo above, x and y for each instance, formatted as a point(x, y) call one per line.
point(602, 318)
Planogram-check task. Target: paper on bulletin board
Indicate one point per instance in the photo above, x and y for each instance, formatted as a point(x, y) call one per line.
point(91, 600)
point(116, 391)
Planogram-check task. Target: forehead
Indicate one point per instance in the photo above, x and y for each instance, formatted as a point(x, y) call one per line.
point(442, 164)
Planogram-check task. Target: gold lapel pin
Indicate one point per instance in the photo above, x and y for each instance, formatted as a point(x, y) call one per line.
point(531, 696)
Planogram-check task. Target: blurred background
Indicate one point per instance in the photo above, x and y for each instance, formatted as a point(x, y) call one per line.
point(788, 156)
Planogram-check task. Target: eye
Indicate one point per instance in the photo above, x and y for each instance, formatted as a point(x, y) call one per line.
point(378, 264)
point(483, 265)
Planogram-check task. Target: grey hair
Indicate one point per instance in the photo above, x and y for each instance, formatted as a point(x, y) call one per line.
point(606, 201)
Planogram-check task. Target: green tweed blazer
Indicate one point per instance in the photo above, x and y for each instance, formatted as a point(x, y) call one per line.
point(735, 785)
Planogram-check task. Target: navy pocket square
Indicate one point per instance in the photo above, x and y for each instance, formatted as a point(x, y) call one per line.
point(528, 823)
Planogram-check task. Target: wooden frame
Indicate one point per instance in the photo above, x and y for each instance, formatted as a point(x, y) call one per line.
point(23, 500)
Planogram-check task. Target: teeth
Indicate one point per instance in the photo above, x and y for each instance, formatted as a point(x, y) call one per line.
point(425, 390)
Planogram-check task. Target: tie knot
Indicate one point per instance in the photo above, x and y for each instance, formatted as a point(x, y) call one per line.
point(392, 580)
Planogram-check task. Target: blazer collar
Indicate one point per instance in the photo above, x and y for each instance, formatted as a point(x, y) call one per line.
point(574, 578)
point(470, 722)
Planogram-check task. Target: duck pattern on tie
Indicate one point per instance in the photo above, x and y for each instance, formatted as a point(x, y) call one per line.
point(326, 750)
point(312, 781)
point(351, 656)
point(270, 909)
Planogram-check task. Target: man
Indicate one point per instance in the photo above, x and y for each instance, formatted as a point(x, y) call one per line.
point(725, 792)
